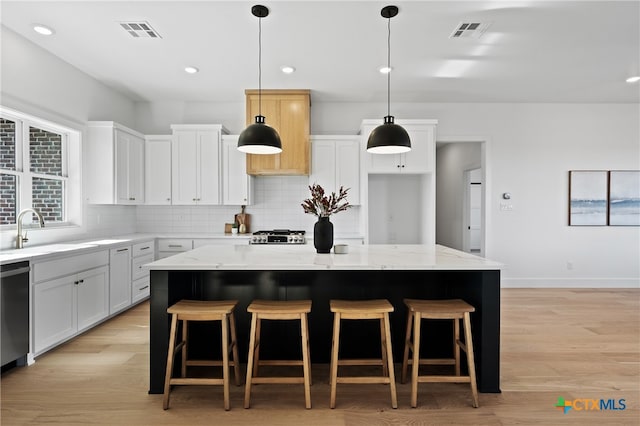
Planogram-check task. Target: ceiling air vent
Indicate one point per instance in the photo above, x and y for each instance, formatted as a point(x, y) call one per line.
point(469, 30)
point(140, 29)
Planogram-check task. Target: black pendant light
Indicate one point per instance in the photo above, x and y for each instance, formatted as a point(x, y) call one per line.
point(389, 138)
point(258, 138)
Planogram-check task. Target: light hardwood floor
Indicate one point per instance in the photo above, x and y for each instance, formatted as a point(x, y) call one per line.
point(571, 343)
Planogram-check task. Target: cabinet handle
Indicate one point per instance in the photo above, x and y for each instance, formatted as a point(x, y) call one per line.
point(145, 287)
point(398, 166)
point(81, 281)
point(175, 245)
point(145, 248)
point(123, 249)
point(403, 166)
point(168, 199)
point(132, 198)
point(75, 282)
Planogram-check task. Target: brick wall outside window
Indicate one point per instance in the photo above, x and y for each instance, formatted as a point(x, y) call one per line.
point(45, 153)
point(8, 162)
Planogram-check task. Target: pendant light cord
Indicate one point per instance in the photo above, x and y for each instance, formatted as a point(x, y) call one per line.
point(389, 66)
point(260, 66)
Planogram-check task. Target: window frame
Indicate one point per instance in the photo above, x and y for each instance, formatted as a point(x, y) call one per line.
point(70, 176)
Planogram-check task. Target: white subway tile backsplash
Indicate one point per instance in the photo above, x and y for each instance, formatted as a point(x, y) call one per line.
point(277, 202)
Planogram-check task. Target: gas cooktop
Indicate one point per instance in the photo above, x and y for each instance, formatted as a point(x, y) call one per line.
point(278, 236)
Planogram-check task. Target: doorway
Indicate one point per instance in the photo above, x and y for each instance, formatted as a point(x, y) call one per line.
point(462, 191)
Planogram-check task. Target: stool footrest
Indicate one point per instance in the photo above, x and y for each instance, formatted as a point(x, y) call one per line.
point(280, 362)
point(362, 380)
point(195, 381)
point(434, 361)
point(277, 380)
point(360, 362)
point(444, 379)
point(206, 363)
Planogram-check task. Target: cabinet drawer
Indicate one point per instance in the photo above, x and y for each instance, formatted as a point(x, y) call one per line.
point(142, 249)
point(140, 289)
point(43, 271)
point(180, 244)
point(137, 269)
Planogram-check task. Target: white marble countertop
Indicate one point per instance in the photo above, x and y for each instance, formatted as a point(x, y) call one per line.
point(46, 251)
point(304, 257)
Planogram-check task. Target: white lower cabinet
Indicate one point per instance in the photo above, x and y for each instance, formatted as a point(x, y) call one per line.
point(142, 253)
point(67, 305)
point(120, 279)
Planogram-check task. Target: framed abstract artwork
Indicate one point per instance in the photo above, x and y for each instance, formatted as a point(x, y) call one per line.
point(624, 197)
point(588, 197)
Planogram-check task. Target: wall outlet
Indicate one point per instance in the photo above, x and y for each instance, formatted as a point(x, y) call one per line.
point(569, 266)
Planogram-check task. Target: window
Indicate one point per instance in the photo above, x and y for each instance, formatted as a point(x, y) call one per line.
point(33, 169)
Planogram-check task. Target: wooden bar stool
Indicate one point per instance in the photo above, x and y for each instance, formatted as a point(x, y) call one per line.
point(278, 310)
point(360, 310)
point(200, 310)
point(456, 310)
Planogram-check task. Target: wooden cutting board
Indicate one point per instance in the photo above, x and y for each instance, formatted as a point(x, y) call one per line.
point(244, 218)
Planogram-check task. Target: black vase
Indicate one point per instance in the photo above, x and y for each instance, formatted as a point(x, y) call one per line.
point(323, 235)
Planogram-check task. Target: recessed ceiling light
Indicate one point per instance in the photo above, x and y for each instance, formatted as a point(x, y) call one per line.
point(191, 70)
point(42, 29)
point(385, 70)
point(287, 69)
point(633, 79)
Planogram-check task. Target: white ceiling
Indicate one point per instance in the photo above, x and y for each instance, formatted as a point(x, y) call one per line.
point(534, 51)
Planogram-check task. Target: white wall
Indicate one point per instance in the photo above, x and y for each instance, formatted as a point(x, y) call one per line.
point(452, 160)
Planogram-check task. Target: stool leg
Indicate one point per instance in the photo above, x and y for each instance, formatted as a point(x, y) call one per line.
point(225, 361)
point(170, 355)
point(417, 319)
point(256, 359)
point(234, 348)
point(306, 364)
point(407, 344)
point(392, 376)
point(334, 358)
point(383, 350)
point(252, 349)
point(470, 359)
point(185, 348)
point(456, 347)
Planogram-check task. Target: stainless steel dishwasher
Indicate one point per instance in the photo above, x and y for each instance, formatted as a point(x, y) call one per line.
point(14, 312)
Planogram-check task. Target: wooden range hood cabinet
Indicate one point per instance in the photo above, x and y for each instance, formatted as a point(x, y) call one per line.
point(287, 111)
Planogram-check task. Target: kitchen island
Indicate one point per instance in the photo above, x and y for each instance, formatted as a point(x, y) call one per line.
point(290, 272)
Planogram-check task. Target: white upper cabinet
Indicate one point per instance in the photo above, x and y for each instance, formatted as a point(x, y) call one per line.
point(115, 164)
point(195, 163)
point(157, 169)
point(237, 185)
point(335, 162)
point(417, 161)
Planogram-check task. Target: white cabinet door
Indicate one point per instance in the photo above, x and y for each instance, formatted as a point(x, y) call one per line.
point(236, 183)
point(335, 162)
point(208, 158)
point(420, 158)
point(184, 170)
point(119, 279)
point(323, 169)
point(157, 170)
point(54, 312)
point(129, 168)
point(115, 164)
point(195, 166)
point(93, 297)
point(348, 168)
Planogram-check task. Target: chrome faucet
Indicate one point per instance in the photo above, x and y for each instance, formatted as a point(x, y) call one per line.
point(20, 240)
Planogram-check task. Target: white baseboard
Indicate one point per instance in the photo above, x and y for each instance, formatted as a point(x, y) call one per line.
point(570, 283)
